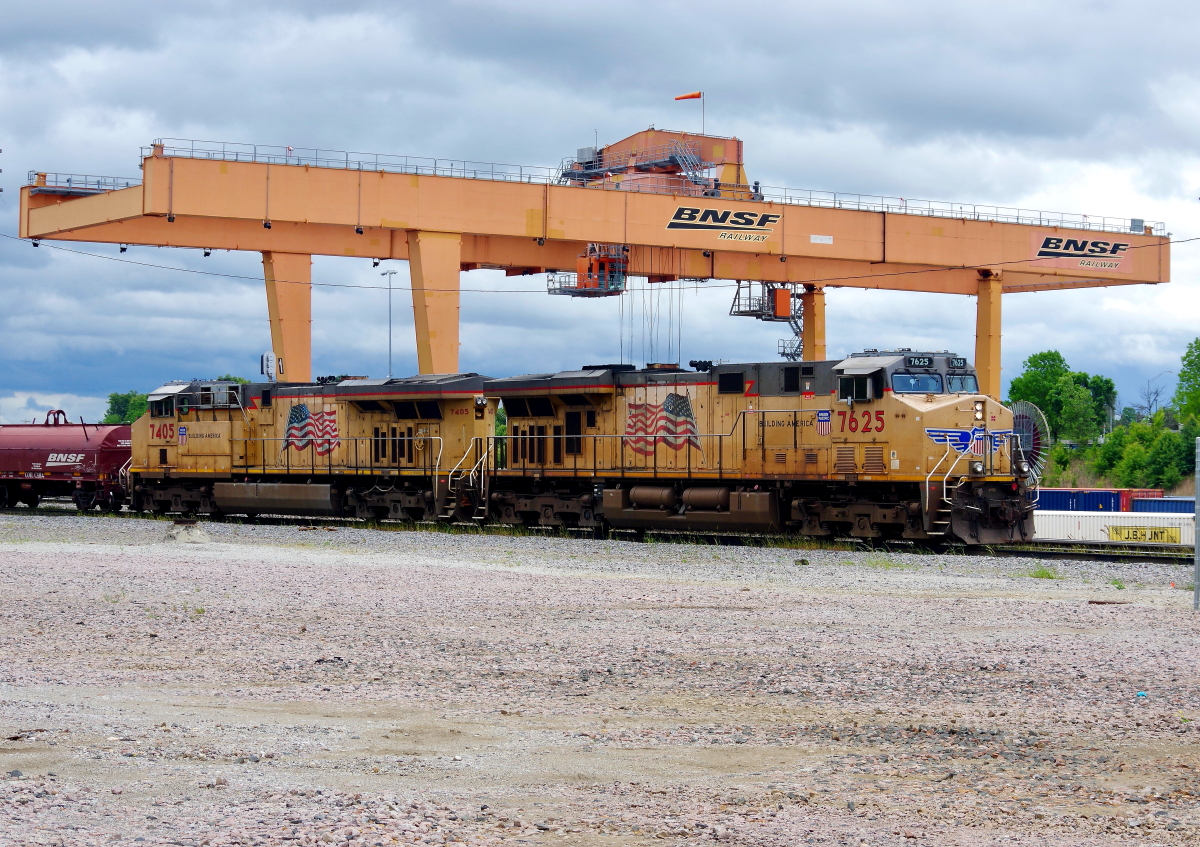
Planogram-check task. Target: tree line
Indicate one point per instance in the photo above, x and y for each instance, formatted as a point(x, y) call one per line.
point(1148, 444)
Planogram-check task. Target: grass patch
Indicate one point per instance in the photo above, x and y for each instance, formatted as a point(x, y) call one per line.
point(883, 563)
point(1117, 584)
point(1043, 572)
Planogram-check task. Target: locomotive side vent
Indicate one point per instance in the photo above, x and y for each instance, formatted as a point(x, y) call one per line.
point(873, 460)
point(810, 457)
point(844, 461)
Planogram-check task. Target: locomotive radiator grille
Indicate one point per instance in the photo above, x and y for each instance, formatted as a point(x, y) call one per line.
point(810, 457)
point(843, 461)
point(873, 460)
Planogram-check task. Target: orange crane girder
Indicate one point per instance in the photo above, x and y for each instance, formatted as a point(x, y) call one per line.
point(443, 224)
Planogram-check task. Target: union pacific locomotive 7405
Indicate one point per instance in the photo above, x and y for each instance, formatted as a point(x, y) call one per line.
point(895, 444)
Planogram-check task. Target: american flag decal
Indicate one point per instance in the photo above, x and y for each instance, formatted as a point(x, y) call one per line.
point(319, 429)
point(824, 423)
point(671, 423)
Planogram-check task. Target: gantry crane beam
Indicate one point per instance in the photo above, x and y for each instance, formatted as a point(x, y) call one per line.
point(446, 224)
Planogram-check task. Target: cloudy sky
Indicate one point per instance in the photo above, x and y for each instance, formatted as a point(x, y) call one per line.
point(1089, 107)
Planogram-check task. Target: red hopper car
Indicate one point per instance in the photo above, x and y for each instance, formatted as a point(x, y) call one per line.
point(57, 458)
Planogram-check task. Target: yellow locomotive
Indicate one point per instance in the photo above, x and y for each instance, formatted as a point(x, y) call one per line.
point(894, 444)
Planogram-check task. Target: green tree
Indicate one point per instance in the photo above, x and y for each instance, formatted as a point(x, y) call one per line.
point(1074, 410)
point(1041, 374)
point(501, 440)
point(1104, 395)
point(1131, 471)
point(1163, 460)
point(125, 408)
point(1187, 389)
point(1108, 455)
point(231, 378)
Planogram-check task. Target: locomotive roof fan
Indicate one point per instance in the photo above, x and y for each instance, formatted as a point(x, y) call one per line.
point(1033, 435)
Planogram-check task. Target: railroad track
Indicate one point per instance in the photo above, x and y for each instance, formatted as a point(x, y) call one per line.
point(1077, 550)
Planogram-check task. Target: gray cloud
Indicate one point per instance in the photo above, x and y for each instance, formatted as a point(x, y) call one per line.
point(1078, 106)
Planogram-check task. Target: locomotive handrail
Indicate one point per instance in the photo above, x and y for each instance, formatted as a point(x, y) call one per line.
point(329, 465)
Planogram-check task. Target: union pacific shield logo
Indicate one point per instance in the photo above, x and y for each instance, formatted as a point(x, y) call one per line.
point(824, 422)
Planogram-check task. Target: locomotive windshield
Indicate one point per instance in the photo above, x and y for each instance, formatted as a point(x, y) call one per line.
point(962, 384)
point(917, 383)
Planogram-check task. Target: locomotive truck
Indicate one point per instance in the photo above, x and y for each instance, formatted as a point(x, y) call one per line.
point(883, 444)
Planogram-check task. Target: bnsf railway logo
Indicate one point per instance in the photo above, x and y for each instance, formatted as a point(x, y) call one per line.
point(1092, 253)
point(64, 459)
point(732, 225)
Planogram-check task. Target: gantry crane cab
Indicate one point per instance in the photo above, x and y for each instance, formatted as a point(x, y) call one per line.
point(600, 271)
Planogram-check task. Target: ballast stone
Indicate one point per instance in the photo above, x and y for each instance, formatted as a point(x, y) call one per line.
point(187, 534)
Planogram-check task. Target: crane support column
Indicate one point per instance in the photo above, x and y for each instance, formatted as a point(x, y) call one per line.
point(289, 306)
point(812, 342)
point(434, 265)
point(987, 333)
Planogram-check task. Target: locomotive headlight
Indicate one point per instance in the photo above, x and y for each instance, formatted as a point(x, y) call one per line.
point(1023, 468)
point(977, 467)
point(978, 410)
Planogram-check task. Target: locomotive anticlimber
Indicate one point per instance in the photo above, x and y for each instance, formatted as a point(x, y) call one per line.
point(880, 445)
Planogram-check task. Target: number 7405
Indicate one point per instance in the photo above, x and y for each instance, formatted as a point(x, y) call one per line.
point(861, 421)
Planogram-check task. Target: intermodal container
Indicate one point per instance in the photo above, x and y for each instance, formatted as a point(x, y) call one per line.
point(1098, 501)
point(1117, 528)
point(1056, 499)
point(1128, 495)
point(1171, 505)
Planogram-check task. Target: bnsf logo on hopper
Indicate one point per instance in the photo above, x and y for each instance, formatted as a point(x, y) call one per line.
point(1054, 247)
point(64, 458)
point(733, 225)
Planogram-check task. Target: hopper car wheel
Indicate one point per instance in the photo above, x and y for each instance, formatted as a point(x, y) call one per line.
point(3, 497)
point(30, 500)
point(85, 501)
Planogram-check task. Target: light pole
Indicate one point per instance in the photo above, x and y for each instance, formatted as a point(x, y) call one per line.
point(389, 275)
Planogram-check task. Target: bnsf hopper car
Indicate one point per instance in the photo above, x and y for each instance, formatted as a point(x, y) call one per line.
point(57, 458)
point(879, 445)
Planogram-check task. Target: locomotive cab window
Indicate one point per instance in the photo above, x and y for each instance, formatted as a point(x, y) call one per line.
point(962, 384)
point(917, 383)
point(429, 410)
point(731, 383)
point(164, 408)
point(856, 388)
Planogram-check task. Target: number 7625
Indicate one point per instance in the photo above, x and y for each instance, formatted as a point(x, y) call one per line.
point(861, 421)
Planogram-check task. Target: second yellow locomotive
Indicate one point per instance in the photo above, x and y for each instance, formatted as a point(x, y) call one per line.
point(895, 444)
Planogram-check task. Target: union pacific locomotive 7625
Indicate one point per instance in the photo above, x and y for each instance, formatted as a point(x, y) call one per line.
point(895, 444)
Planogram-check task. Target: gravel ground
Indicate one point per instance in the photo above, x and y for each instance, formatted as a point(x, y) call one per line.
point(278, 685)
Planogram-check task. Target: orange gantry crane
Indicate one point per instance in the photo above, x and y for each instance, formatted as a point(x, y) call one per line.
point(659, 204)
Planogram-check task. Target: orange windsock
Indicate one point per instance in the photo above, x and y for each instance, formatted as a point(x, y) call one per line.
point(695, 95)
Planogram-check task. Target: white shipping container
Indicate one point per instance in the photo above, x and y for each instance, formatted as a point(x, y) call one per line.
point(1115, 527)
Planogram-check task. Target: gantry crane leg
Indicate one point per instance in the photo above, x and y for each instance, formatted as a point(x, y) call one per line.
point(987, 333)
point(812, 342)
point(289, 306)
point(434, 267)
